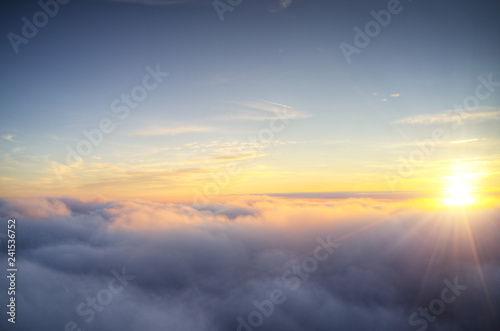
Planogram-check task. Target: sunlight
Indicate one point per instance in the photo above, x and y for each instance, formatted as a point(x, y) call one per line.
point(459, 193)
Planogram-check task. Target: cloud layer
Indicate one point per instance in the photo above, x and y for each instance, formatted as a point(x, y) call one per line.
point(202, 269)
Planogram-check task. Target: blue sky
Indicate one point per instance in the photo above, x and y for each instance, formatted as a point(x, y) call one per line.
point(223, 77)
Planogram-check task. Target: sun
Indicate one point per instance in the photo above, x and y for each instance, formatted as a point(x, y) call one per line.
point(459, 193)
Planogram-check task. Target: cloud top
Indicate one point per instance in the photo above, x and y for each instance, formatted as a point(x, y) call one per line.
point(203, 268)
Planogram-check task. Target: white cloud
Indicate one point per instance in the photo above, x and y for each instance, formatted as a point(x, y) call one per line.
point(450, 117)
point(215, 262)
point(173, 131)
point(259, 111)
point(9, 137)
point(285, 3)
point(464, 141)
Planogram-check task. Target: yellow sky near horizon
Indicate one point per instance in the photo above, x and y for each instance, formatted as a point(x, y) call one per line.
point(263, 174)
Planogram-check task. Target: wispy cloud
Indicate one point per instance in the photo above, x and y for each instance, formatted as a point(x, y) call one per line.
point(264, 111)
point(237, 157)
point(449, 117)
point(173, 131)
point(278, 5)
point(285, 3)
point(385, 97)
point(464, 141)
point(9, 137)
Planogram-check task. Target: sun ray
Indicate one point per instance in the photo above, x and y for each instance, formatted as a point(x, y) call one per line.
point(477, 260)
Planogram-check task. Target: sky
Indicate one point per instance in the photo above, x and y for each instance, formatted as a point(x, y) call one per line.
point(346, 121)
point(250, 165)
